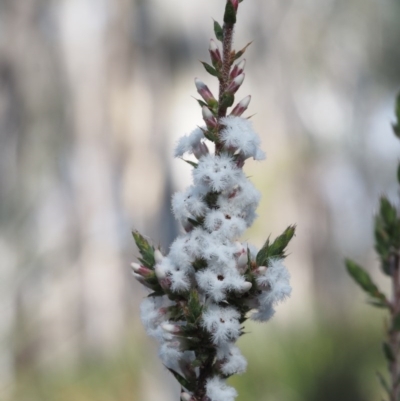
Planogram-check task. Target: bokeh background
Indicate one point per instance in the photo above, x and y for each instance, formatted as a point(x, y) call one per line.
point(93, 96)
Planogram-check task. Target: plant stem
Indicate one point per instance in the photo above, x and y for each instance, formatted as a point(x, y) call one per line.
point(225, 70)
point(393, 334)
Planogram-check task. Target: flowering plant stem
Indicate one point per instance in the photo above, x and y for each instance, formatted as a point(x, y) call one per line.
point(387, 245)
point(205, 288)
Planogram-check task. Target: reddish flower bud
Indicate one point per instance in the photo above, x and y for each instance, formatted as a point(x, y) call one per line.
point(203, 90)
point(237, 69)
point(208, 117)
point(141, 270)
point(241, 107)
point(235, 4)
point(143, 281)
point(235, 84)
point(200, 150)
point(215, 54)
point(171, 328)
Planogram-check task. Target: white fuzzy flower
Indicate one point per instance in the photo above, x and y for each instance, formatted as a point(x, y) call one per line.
point(222, 323)
point(218, 390)
point(233, 362)
point(276, 282)
point(153, 314)
point(239, 134)
point(187, 143)
point(264, 313)
point(216, 172)
point(217, 283)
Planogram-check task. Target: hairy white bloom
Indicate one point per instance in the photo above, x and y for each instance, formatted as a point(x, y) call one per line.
point(218, 173)
point(217, 283)
point(222, 323)
point(153, 314)
point(170, 353)
point(276, 283)
point(233, 362)
point(180, 280)
point(218, 390)
point(264, 313)
point(187, 143)
point(239, 134)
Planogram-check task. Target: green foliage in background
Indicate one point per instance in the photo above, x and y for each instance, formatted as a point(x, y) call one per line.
point(327, 362)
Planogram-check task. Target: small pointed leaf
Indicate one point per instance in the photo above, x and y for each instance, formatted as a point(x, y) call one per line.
point(388, 352)
point(211, 70)
point(363, 279)
point(145, 249)
point(241, 52)
point(396, 323)
point(219, 33)
point(182, 381)
point(193, 164)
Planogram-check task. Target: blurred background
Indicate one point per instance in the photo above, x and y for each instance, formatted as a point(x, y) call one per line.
point(93, 96)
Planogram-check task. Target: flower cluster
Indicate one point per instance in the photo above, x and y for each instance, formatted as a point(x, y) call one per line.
point(209, 283)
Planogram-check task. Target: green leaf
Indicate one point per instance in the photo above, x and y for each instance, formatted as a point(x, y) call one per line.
point(211, 199)
point(194, 306)
point(195, 223)
point(396, 323)
point(383, 382)
point(156, 294)
point(363, 279)
point(388, 352)
point(182, 381)
point(277, 248)
point(230, 14)
point(199, 264)
point(388, 212)
point(396, 125)
point(193, 164)
point(398, 174)
point(145, 249)
point(241, 52)
point(378, 303)
point(219, 33)
point(227, 100)
point(211, 70)
point(201, 103)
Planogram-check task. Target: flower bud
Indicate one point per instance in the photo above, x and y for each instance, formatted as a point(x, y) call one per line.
point(171, 328)
point(240, 161)
point(187, 225)
point(242, 262)
point(160, 273)
point(237, 69)
point(241, 107)
point(261, 270)
point(215, 54)
point(235, 84)
point(239, 247)
point(247, 286)
point(235, 4)
point(203, 91)
point(209, 118)
point(158, 256)
point(142, 280)
point(200, 150)
point(186, 397)
point(141, 270)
